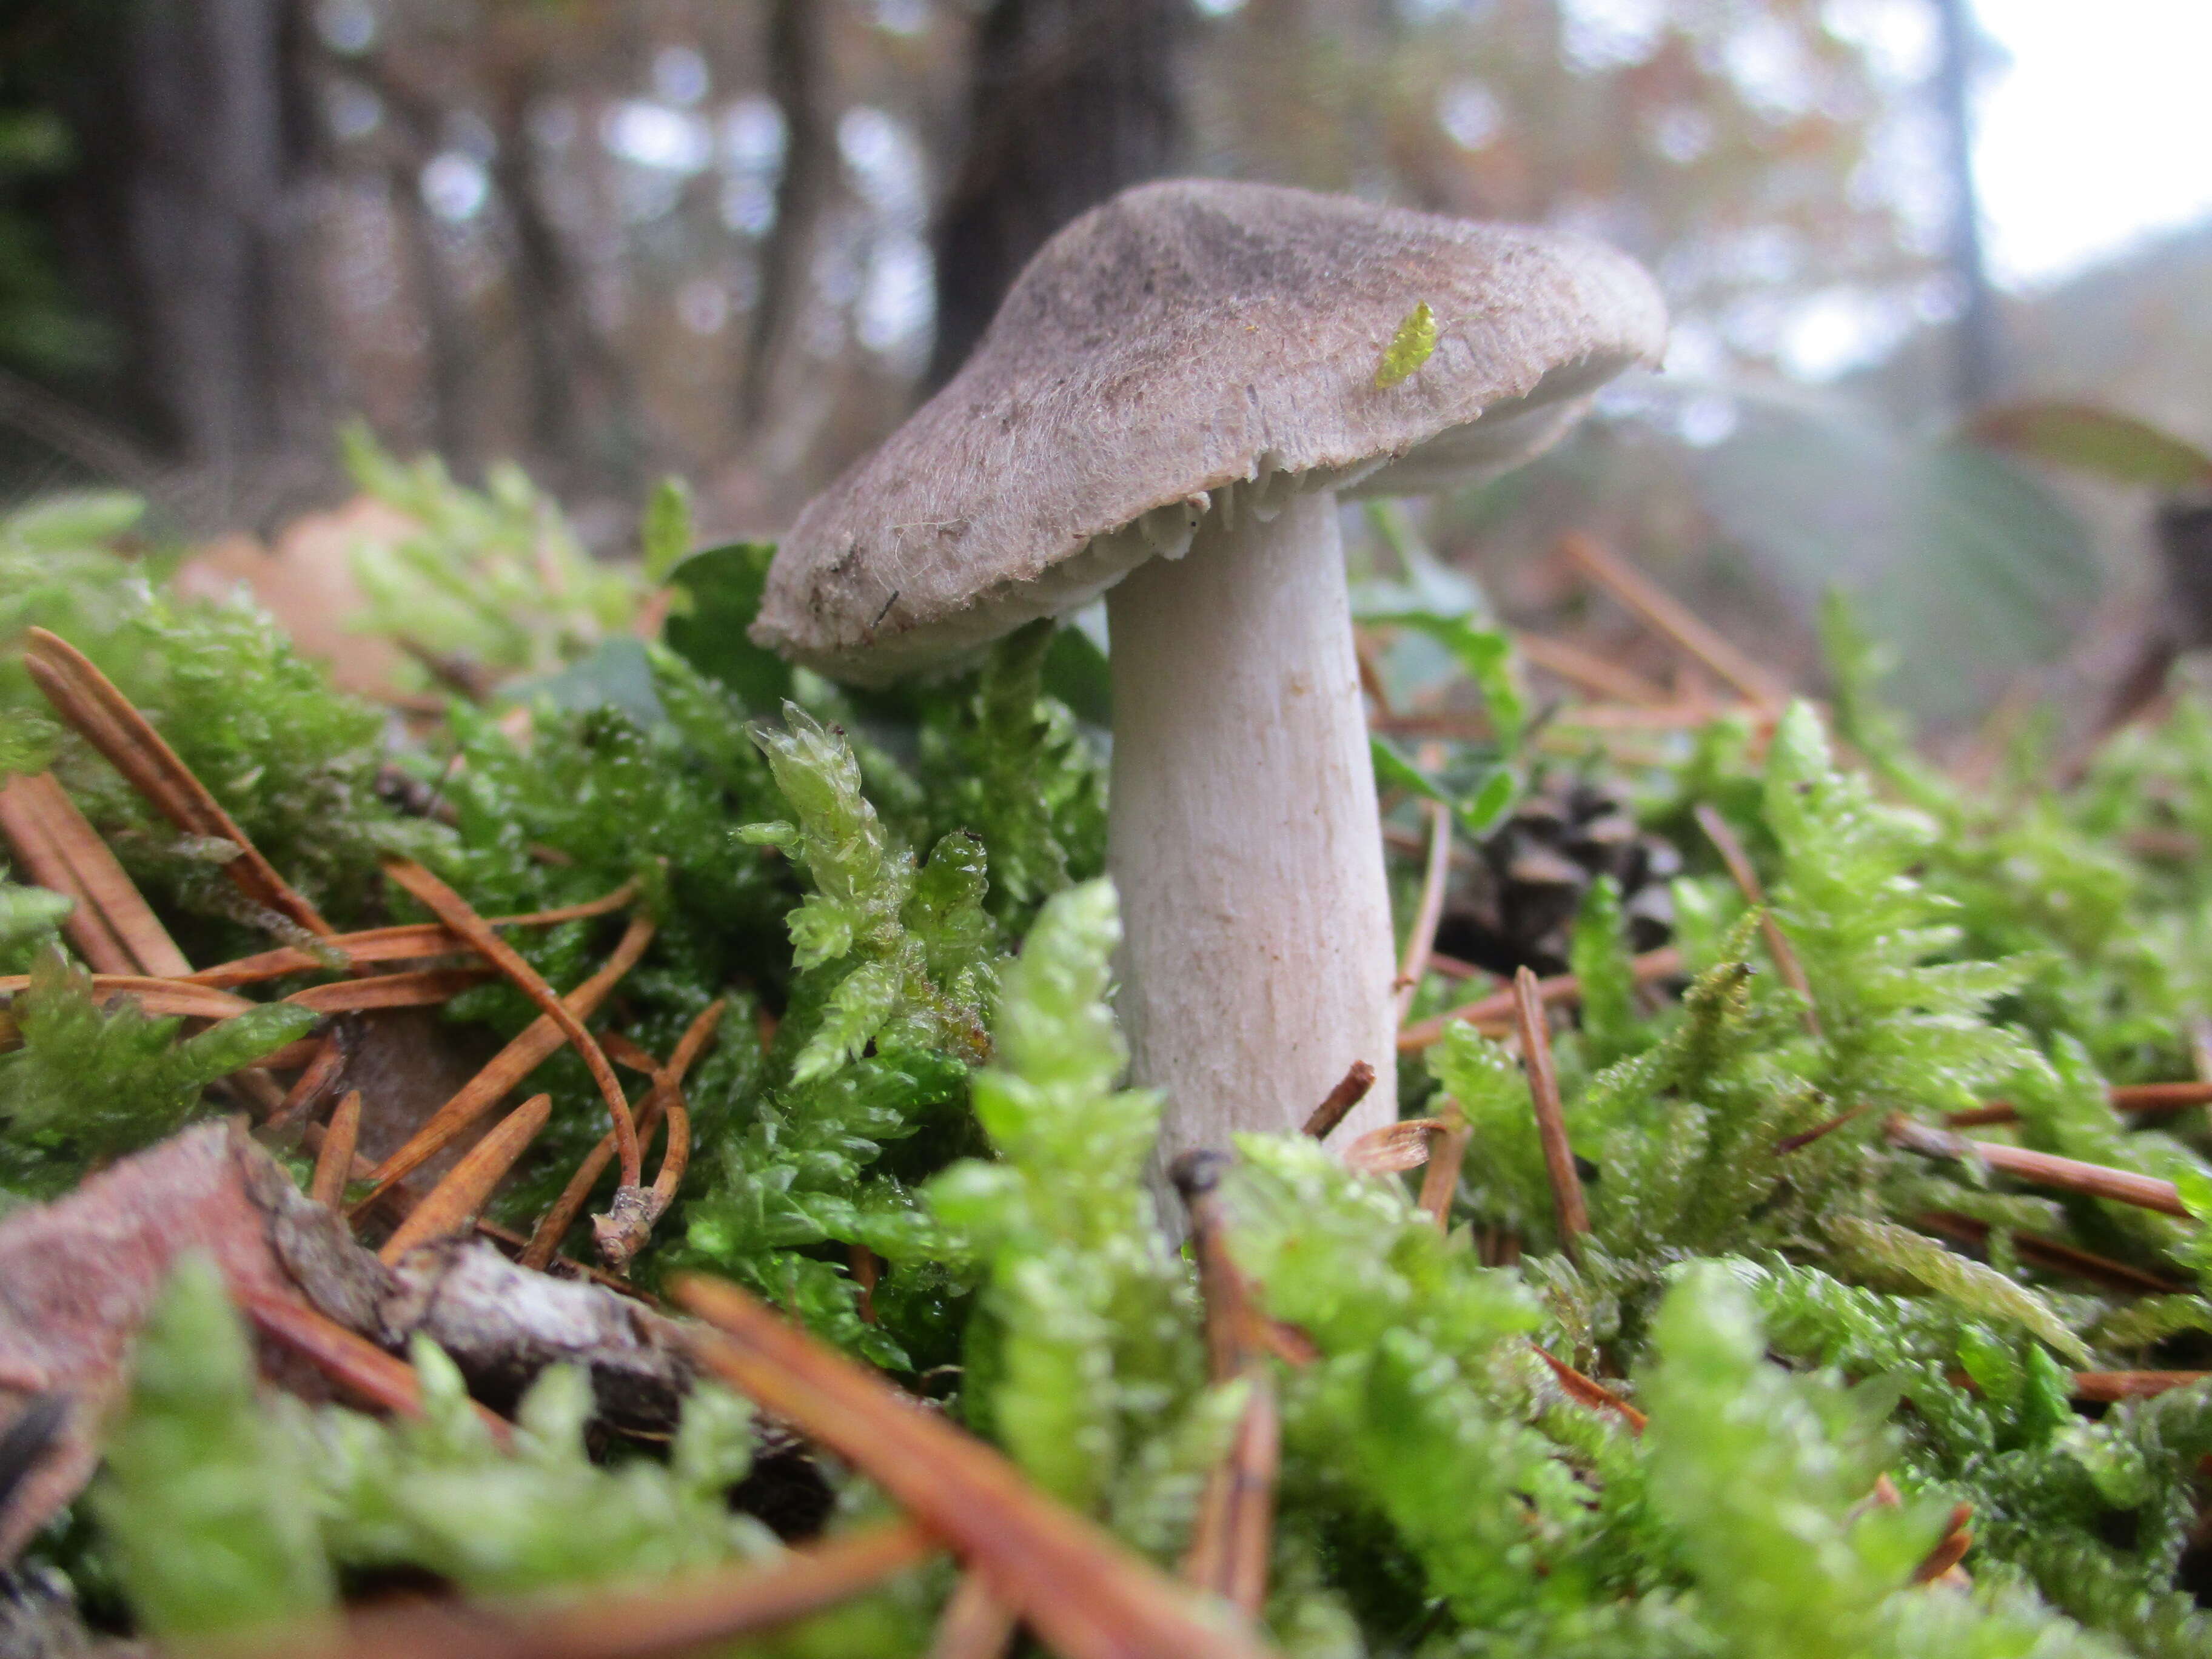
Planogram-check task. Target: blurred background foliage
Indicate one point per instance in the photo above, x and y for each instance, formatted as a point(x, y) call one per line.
point(737, 239)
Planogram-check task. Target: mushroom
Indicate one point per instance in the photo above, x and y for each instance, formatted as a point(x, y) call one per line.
point(1165, 410)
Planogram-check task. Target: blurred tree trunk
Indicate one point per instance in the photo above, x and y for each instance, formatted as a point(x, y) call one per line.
point(193, 225)
point(787, 391)
point(1976, 369)
point(1071, 101)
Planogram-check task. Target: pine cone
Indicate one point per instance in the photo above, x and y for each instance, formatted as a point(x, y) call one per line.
point(1517, 904)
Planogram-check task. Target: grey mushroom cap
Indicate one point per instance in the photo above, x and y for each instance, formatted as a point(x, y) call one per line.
point(1184, 340)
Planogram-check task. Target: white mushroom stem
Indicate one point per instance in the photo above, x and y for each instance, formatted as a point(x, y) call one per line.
point(1244, 838)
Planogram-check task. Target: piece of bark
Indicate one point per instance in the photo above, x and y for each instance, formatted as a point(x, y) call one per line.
point(77, 1277)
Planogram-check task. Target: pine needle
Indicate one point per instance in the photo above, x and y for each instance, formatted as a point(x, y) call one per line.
point(449, 1206)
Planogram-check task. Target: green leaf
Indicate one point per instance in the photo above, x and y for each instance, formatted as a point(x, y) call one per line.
point(666, 534)
point(1484, 655)
point(619, 675)
point(1409, 347)
point(2116, 446)
point(724, 586)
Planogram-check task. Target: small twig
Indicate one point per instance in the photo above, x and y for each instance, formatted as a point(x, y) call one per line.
point(346, 1357)
point(104, 717)
point(675, 1615)
point(334, 1162)
point(1440, 1181)
point(1590, 1392)
point(1494, 1013)
point(449, 1206)
point(1421, 939)
point(1746, 880)
point(1084, 1593)
point(511, 1243)
point(1348, 1094)
point(1675, 620)
point(974, 1625)
point(2067, 1175)
point(1588, 671)
point(1550, 1118)
point(537, 1043)
point(2051, 1255)
point(457, 914)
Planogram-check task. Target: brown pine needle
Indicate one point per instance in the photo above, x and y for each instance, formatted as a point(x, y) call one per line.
point(90, 703)
point(2140, 1098)
point(553, 1226)
point(308, 1093)
point(112, 926)
point(867, 1271)
point(1588, 671)
point(2160, 1097)
point(2106, 1386)
point(1950, 1551)
point(1440, 1180)
point(1235, 1530)
point(1746, 880)
point(449, 1206)
point(155, 996)
point(425, 987)
point(110, 887)
point(974, 1625)
point(1589, 1391)
point(1421, 937)
point(1084, 1593)
point(1551, 1119)
point(345, 1358)
point(537, 1043)
point(334, 1162)
point(402, 943)
point(675, 1615)
point(1348, 1094)
point(1494, 1014)
point(457, 914)
point(1668, 616)
point(2065, 1174)
point(24, 822)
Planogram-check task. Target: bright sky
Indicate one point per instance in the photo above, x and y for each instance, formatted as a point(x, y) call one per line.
point(2097, 134)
